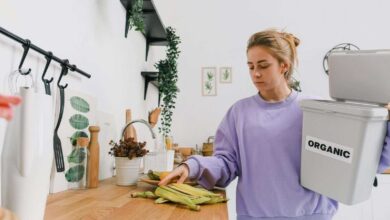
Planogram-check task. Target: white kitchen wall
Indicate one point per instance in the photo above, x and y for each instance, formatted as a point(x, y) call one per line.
point(91, 35)
point(214, 33)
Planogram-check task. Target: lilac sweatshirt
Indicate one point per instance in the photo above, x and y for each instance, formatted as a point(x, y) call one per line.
point(260, 142)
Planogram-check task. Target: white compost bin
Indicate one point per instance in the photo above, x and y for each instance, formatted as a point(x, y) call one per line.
point(341, 148)
point(342, 141)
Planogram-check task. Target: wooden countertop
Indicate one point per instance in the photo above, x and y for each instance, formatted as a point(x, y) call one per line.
point(113, 202)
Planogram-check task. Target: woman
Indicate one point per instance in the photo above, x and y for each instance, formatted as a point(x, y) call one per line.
point(6, 103)
point(259, 140)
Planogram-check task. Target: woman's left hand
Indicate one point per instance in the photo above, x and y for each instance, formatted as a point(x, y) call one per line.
point(6, 103)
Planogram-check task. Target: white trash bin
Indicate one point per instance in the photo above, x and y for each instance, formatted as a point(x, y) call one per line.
point(342, 142)
point(341, 148)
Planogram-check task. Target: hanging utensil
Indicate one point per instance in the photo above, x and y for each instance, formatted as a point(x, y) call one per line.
point(46, 82)
point(58, 156)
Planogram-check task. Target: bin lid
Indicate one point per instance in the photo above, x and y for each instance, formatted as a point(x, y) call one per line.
point(362, 76)
point(360, 110)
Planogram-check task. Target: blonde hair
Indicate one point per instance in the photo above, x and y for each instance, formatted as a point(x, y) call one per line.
point(281, 45)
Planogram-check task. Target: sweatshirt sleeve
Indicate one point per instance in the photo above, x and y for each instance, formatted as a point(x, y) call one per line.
point(384, 162)
point(221, 168)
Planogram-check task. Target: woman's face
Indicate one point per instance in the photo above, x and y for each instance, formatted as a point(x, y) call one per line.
point(267, 73)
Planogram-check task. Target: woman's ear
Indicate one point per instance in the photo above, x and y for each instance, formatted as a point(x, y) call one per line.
point(284, 67)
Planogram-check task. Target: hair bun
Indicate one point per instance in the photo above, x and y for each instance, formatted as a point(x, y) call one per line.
point(296, 41)
point(292, 38)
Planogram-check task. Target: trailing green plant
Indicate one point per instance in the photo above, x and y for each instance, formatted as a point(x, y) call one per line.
point(136, 18)
point(167, 79)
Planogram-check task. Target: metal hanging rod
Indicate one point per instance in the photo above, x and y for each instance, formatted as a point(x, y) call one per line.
point(43, 52)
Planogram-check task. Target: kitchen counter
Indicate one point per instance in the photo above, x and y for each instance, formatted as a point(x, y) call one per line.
point(110, 201)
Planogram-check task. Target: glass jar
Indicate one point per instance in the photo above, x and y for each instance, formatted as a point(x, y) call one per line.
point(76, 175)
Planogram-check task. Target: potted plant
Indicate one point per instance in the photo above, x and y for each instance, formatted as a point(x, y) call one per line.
point(167, 79)
point(128, 154)
point(136, 18)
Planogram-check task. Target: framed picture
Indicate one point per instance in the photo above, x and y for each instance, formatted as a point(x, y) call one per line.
point(225, 75)
point(79, 114)
point(209, 81)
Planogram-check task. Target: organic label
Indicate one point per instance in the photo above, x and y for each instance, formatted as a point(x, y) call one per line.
point(329, 149)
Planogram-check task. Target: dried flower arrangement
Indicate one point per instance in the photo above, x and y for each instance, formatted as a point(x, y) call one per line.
point(128, 148)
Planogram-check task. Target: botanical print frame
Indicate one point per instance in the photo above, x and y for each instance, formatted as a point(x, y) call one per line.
point(79, 113)
point(225, 75)
point(209, 81)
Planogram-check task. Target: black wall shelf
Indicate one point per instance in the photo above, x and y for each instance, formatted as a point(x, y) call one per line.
point(150, 77)
point(155, 33)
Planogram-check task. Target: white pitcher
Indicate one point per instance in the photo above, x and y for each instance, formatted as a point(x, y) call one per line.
point(27, 156)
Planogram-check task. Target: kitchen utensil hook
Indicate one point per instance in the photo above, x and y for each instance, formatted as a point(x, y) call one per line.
point(26, 47)
point(48, 60)
point(64, 72)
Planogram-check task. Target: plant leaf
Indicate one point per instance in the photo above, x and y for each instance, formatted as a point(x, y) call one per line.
point(75, 174)
point(167, 80)
point(76, 135)
point(79, 104)
point(77, 155)
point(79, 121)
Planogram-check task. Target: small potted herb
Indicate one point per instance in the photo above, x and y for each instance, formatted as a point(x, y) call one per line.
point(128, 154)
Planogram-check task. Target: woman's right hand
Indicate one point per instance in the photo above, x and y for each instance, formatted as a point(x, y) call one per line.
point(181, 171)
point(6, 103)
